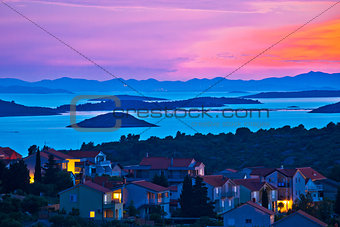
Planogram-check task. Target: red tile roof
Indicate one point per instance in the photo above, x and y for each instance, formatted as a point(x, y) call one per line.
point(310, 173)
point(261, 171)
point(287, 172)
point(96, 187)
point(150, 185)
point(8, 153)
point(303, 214)
point(83, 154)
point(231, 170)
point(215, 180)
point(259, 207)
point(310, 217)
point(165, 163)
point(58, 154)
point(251, 184)
point(173, 188)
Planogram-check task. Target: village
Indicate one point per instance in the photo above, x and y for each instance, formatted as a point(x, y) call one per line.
point(169, 191)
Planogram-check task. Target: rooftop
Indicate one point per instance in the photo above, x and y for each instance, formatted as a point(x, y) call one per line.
point(150, 185)
point(215, 180)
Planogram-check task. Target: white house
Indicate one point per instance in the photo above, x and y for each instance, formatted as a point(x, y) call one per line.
point(248, 214)
point(223, 191)
point(145, 195)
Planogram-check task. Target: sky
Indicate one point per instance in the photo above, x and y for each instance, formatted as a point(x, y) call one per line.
point(167, 40)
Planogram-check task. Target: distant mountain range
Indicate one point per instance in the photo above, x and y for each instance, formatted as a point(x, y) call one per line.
point(30, 90)
point(296, 94)
point(302, 82)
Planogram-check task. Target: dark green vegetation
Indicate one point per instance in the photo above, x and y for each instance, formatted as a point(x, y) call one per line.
point(296, 94)
point(291, 147)
point(194, 199)
point(331, 108)
point(322, 210)
point(110, 120)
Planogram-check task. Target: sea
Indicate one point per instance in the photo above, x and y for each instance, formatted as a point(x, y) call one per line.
point(20, 133)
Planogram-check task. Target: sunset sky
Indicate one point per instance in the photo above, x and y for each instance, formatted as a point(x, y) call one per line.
point(167, 40)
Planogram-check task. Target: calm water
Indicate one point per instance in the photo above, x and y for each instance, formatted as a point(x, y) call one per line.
point(21, 132)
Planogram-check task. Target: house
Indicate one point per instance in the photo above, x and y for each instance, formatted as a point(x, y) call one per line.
point(290, 184)
point(93, 201)
point(252, 190)
point(234, 174)
point(146, 195)
point(95, 164)
point(313, 184)
point(330, 188)
point(175, 193)
point(175, 169)
point(248, 214)
point(9, 154)
point(300, 219)
point(222, 191)
point(30, 161)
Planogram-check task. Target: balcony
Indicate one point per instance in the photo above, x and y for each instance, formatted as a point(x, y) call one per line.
point(315, 188)
point(112, 203)
point(228, 194)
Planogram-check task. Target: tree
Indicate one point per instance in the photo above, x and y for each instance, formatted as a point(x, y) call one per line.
point(37, 169)
point(160, 180)
point(3, 173)
point(305, 203)
point(17, 177)
point(265, 198)
point(201, 205)
point(132, 211)
point(51, 171)
point(337, 203)
point(32, 149)
point(186, 197)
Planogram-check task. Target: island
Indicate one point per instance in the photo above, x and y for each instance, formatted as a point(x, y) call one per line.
point(109, 120)
point(8, 109)
point(296, 94)
point(331, 108)
point(160, 105)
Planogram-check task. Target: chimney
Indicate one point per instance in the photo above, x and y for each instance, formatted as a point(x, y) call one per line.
point(172, 161)
point(281, 166)
point(147, 154)
point(124, 180)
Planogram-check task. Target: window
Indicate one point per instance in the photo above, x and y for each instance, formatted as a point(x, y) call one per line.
point(230, 203)
point(235, 189)
point(273, 194)
point(73, 198)
point(92, 214)
point(248, 221)
point(222, 203)
point(166, 194)
point(231, 221)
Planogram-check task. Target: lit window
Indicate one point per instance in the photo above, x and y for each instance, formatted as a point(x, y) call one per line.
point(92, 214)
point(117, 196)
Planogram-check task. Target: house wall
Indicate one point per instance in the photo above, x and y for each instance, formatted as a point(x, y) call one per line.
point(87, 200)
point(298, 185)
point(245, 194)
point(239, 216)
point(295, 220)
point(138, 195)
